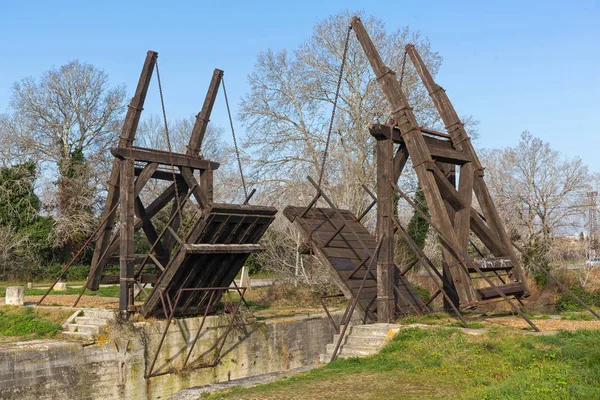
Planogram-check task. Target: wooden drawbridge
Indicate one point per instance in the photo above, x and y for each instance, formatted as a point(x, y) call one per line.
point(195, 257)
point(436, 157)
point(345, 247)
point(210, 256)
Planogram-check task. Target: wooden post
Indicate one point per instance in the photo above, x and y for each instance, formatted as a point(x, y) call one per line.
point(130, 125)
point(417, 148)
point(202, 119)
point(205, 189)
point(385, 231)
point(126, 258)
point(450, 267)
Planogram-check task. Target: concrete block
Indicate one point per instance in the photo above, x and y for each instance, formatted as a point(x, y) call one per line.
point(29, 285)
point(245, 279)
point(15, 295)
point(61, 287)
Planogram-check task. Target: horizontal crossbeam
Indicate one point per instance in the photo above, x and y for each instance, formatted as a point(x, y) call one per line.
point(202, 248)
point(440, 150)
point(153, 156)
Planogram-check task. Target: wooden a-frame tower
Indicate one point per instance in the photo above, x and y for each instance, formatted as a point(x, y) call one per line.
point(436, 158)
point(190, 268)
point(362, 264)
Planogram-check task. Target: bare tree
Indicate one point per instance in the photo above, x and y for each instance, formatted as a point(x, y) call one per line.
point(69, 108)
point(65, 121)
point(17, 254)
point(151, 133)
point(538, 190)
point(288, 108)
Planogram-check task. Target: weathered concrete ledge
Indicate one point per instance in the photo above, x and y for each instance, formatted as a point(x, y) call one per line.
point(115, 366)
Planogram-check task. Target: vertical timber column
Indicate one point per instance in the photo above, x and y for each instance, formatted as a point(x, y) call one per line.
point(385, 231)
point(126, 258)
point(449, 264)
point(130, 125)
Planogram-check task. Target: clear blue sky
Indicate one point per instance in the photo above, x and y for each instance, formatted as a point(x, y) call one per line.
point(513, 65)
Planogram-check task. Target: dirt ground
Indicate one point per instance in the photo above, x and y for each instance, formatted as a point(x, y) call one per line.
point(543, 324)
point(67, 300)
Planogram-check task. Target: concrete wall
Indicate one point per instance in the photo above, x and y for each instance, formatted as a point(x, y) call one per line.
point(115, 366)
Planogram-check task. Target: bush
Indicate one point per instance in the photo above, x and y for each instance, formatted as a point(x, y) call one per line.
point(422, 292)
point(52, 271)
point(253, 266)
point(566, 302)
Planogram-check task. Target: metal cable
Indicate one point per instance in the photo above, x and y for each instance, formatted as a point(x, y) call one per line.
point(237, 151)
point(326, 152)
point(403, 68)
point(164, 112)
point(335, 99)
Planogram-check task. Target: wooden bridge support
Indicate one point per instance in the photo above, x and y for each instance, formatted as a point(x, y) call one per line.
point(124, 192)
point(132, 120)
point(435, 157)
point(385, 231)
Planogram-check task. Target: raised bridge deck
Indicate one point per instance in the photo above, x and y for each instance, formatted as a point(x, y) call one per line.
point(344, 253)
point(211, 255)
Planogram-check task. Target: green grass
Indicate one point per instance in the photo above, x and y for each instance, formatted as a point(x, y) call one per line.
point(27, 322)
point(446, 363)
point(104, 291)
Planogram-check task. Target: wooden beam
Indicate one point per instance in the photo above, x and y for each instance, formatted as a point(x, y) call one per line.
point(148, 227)
point(143, 177)
point(465, 193)
point(486, 235)
point(400, 160)
point(206, 187)
point(449, 193)
point(451, 268)
point(176, 159)
point(462, 142)
point(222, 248)
point(126, 264)
point(440, 149)
point(114, 279)
point(443, 151)
point(160, 174)
point(191, 181)
point(417, 148)
point(197, 136)
point(385, 233)
point(130, 125)
point(175, 221)
point(153, 208)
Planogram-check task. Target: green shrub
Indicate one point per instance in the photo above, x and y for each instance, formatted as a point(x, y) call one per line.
point(566, 302)
point(422, 292)
point(253, 266)
point(52, 271)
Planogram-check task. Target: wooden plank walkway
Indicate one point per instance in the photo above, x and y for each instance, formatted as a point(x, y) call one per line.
point(203, 261)
point(344, 254)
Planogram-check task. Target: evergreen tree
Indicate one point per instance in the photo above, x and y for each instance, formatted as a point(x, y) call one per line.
point(19, 206)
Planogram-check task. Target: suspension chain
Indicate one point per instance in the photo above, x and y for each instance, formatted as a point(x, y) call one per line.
point(403, 67)
point(328, 141)
point(237, 151)
point(164, 112)
point(335, 99)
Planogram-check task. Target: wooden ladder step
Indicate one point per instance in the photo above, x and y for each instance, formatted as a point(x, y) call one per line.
point(203, 248)
point(510, 289)
point(493, 264)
